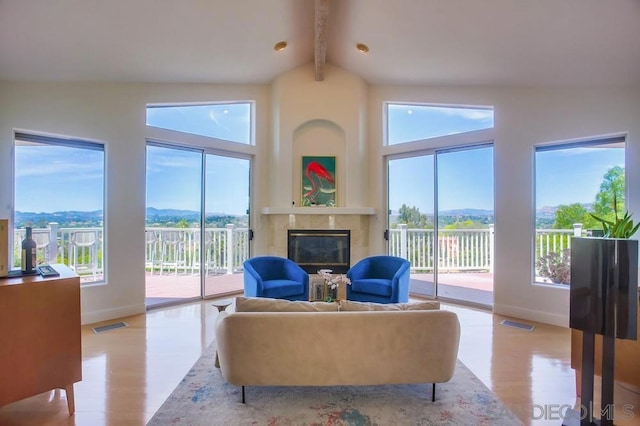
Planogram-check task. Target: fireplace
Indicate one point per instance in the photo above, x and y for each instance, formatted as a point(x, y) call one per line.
point(315, 249)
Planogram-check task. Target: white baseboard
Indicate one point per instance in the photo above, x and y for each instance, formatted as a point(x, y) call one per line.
point(109, 314)
point(532, 315)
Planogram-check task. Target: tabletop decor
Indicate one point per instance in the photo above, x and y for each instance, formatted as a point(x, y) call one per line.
point(332, 282)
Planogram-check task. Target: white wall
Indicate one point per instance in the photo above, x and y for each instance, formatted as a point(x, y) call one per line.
point(115, 114)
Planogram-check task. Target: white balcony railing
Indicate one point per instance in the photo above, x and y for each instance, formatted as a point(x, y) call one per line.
point(458, 249)
point(167, 250)
point(466, 249)
point(177, 250)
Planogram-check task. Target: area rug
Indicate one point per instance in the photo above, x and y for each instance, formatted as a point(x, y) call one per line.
point(203, 397)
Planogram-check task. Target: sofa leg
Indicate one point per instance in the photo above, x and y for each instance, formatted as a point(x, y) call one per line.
point(243, 394)
point(433, 393)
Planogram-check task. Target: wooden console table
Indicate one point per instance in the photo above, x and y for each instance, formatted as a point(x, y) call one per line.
point(626, 364)
point(40, 333)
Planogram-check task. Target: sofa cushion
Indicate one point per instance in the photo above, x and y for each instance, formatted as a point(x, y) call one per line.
point(350, 305)
point(377, 286)
point(265, 304)
point(278, 289)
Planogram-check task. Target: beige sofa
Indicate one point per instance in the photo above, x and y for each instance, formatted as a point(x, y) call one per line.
point(323, 346)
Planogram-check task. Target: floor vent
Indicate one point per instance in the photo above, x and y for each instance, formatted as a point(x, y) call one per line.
point(519, 325)
point(109, 327)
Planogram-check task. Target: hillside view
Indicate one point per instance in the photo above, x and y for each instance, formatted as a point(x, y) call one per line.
point(167, 218)
point(545, 218)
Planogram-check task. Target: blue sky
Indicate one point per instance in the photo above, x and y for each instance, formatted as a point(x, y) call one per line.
point(465, 180)
point(54, 178)
point(573, 175)
point(173, 181)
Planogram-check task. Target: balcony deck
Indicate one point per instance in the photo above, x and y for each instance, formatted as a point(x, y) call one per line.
point(475, 287)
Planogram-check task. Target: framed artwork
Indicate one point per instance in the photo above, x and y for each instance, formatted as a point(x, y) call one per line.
point(317, 291)
point(319, 181)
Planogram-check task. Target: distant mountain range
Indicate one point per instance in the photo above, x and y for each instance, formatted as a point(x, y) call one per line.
point(63, 216)
point(549, 212)
point(153, 212)
point(467, 212)
point(96, 216)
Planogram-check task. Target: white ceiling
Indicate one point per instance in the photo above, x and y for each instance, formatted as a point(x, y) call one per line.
point(431, 42)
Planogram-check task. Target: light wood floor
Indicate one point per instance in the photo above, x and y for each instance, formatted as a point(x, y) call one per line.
point(128, 373)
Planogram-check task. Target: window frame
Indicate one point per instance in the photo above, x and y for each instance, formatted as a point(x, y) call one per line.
point(252, 119)
point(385, 122)
point(75, 143)
point(590, 141)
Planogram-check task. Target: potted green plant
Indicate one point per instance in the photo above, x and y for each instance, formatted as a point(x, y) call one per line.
point(621, 227)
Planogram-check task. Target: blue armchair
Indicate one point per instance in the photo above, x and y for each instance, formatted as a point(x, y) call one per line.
point(381, 279)
point(275, 277)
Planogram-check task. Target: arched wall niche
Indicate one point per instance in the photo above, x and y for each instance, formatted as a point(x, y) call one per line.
point(320, 138)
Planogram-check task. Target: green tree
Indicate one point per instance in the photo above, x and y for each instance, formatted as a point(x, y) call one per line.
point(412, 217)
point(612, 183)
point(183, 223)
point(466, 224)
point(567, 215)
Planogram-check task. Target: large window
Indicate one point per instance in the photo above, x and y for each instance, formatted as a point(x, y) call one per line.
point(228, 121)
point(198, 180)
point(440, 199)
point(59, 192)
point(412, 122)
point(574, 181)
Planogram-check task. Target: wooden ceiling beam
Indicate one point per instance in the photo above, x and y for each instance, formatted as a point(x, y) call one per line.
point(320, 41)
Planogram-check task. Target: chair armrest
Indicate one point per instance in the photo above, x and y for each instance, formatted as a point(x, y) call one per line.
point(252, 281)
point(295, 273)
point(400, 283)
point(359, 270)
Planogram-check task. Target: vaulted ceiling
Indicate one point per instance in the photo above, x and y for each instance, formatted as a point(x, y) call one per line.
point(430, 42)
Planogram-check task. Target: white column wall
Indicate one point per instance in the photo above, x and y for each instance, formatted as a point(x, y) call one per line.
point(299, 100)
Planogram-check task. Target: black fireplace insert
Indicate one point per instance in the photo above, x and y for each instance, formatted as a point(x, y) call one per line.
point(315, 249)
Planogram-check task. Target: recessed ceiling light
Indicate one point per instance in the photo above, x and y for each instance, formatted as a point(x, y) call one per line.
point(280, 46)
point(362, 48)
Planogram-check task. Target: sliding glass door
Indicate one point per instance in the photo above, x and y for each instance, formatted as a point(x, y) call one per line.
point(441, 220)
point(411, 218)
point(172, 232)
point(226, 236)
point(184, 259)
point(465, 224)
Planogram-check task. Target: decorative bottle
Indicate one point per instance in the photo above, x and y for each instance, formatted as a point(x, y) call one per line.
point(28, 252)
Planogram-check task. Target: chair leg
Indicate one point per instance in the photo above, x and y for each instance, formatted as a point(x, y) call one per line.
point(243, 394)
point(433, 393)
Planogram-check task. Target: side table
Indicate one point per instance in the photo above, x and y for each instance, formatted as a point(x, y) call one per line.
point(221, 304)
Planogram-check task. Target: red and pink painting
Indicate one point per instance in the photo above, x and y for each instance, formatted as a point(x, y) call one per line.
point(319, 181)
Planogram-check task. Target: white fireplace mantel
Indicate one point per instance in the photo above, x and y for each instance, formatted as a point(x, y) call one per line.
point(367, 211)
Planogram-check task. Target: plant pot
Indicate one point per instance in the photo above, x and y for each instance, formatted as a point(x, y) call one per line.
point(603, 290)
